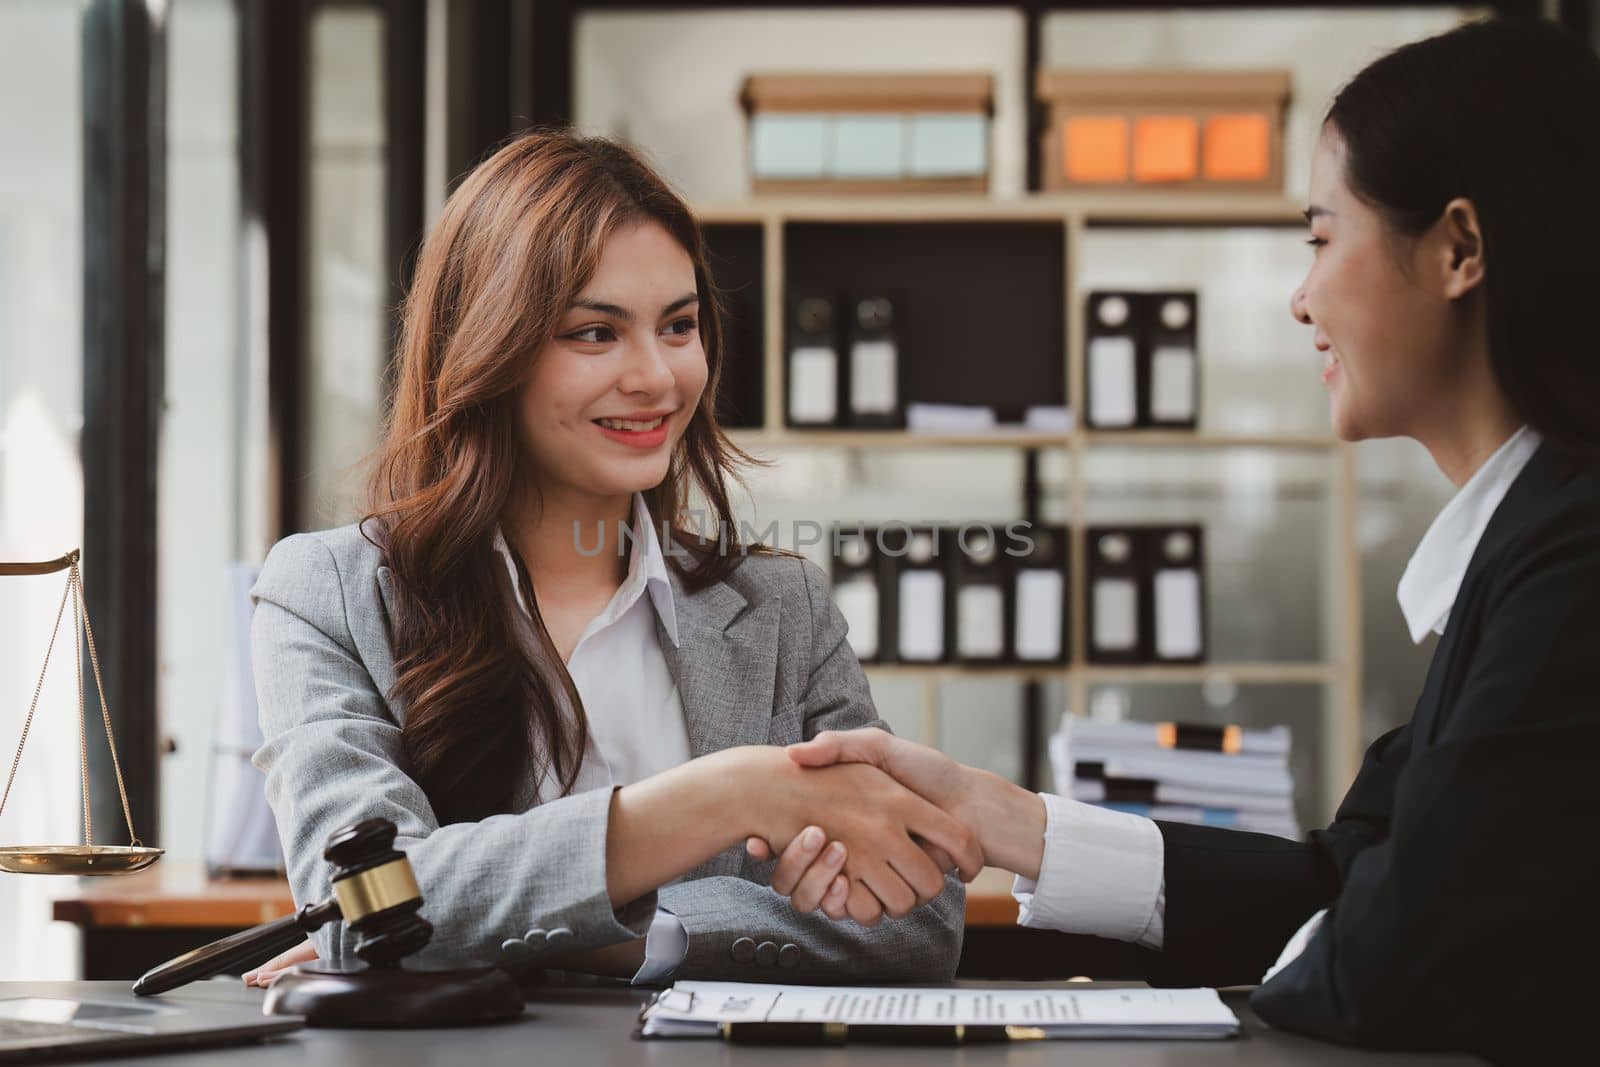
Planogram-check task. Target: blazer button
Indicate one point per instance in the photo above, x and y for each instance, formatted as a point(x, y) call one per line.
point(535, 937)
point(560, 937)
point(766, 954)
point(744, 950)
point(789, 956)
point(515, 948)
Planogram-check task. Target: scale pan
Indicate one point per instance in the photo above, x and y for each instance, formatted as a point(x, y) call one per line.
point(82, 860)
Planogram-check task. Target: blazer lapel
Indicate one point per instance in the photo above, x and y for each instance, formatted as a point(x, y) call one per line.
point(1544, 473)
point(382, 667)
point(725, 663)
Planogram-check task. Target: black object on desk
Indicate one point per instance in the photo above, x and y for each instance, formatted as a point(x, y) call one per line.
point(870, 1034)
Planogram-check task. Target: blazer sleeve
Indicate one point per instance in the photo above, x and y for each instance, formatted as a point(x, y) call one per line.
point(1233, 899)
point(1469, 927)
point(924, 945)
point(333, 756)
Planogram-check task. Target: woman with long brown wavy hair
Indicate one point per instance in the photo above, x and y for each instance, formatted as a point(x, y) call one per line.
point(570, 705)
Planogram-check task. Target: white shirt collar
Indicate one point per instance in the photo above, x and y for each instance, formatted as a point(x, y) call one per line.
point(1432, 579)
point(647, 571)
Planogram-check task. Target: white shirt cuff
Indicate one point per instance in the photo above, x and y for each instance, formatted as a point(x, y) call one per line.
point(1297, 944)
point(1102, 873)
point(664, 948)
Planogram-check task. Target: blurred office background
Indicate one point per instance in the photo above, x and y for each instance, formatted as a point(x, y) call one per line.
point(207, 213)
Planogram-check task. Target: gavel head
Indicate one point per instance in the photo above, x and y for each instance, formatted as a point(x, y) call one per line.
point(377, 893)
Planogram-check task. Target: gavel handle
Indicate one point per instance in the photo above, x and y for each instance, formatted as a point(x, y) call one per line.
point(244, 949)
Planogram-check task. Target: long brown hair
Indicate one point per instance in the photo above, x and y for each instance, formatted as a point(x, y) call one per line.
point(514, 246)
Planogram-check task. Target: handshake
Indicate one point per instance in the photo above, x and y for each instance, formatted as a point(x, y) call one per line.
point(864, 824)
point(885, 819)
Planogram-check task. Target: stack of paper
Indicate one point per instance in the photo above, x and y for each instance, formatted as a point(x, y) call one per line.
point(698, 1009)
point(1220, 776)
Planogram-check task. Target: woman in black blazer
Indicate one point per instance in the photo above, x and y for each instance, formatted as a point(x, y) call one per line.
point(1455, 222)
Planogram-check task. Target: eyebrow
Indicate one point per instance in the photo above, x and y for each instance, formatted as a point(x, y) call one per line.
point(1313, 211)
point(616, 311)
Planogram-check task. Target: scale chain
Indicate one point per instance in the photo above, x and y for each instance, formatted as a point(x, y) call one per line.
point(81, 630)
point(83, 727)
point(28, 722)
point(105, 713)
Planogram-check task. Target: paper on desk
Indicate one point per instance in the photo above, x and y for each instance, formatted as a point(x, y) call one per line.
point(696, 1009)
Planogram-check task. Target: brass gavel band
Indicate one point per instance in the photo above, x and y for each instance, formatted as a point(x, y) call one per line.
point(375, 889)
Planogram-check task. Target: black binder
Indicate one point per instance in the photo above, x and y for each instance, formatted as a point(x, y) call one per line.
point(1118, 618)
point(1040, 597)
point(916, 566)
point(1146, 594)
point(812, 364)
point(872, 379)
point(1170, 397)
point(979, 594)
point(858, 589)
point(1142, 365)
point(1177, 594)
point(1112, 364)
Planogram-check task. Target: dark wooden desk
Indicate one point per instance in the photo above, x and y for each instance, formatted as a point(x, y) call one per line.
point(594, 1027)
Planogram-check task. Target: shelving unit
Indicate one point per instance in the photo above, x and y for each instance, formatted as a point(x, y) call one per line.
point(1339, 669)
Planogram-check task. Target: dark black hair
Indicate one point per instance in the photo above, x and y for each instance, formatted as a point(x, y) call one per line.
point(1505, 113)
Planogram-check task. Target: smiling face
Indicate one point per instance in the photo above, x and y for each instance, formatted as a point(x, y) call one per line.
point(1388, 314)
point(611, 393)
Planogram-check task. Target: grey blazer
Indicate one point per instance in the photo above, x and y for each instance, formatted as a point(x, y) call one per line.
point(762, 659)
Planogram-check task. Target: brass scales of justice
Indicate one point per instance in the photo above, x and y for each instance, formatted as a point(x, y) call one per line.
point(87, 858)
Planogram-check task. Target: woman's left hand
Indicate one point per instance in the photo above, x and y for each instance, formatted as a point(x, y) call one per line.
point(810, 872)
point(268, 972)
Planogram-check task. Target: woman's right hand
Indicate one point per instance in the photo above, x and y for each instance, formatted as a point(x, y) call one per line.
point(926, 771)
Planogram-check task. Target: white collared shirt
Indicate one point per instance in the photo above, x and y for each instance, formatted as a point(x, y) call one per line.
point(1102, 871)
point(635, 713)
point(1432, 579)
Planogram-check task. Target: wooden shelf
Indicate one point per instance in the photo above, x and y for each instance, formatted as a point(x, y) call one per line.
point(1192, 209)
point(1153, 439)
point(1047, 672)
point(949, 207)
point(1108, 209)
point(1180, 439)
point(895, 439)
point(1260, 673)
point(1182, 674)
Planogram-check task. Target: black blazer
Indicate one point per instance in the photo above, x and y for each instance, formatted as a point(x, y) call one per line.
point(1463, 867)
